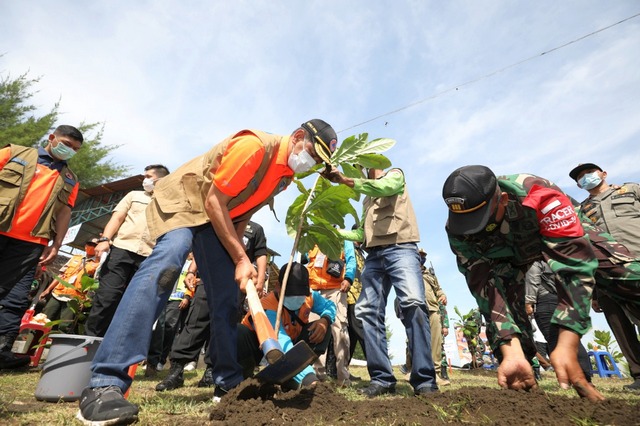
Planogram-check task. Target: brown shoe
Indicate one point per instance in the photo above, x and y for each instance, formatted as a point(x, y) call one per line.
point(440, 381)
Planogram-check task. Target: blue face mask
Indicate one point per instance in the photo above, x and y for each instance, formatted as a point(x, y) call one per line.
point(293, 303)
point(589, 181)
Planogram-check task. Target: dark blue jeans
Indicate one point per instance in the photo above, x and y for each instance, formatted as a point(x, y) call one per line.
point(396, 266)
point(127, 339)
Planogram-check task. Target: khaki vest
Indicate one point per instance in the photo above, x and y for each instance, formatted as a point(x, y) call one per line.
point(15, 178)
point(178, 199)
point(389, 220)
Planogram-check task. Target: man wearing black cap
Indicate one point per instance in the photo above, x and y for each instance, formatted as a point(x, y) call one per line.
point(616, 209)
point(295, 326)
point(203, 206)
point(497, 227)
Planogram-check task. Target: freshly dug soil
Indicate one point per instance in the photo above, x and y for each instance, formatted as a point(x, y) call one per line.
point(255, 404)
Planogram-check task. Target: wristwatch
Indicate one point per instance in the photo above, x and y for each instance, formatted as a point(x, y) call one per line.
point(103, 239)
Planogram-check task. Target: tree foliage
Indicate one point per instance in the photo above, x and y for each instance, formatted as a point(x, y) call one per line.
point(312, 216)
point(604, 339)
point(20, 124)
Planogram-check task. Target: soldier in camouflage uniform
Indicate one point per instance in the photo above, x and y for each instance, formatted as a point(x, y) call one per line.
point(616, 209)
point(497, 227)
point(435, 298)
point(444, 319)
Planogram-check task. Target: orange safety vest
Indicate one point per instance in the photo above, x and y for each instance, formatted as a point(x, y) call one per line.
point(76, 268)
point(319, 279)
point(293, 329)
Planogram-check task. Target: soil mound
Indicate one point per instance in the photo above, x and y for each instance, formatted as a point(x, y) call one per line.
point(253, 403)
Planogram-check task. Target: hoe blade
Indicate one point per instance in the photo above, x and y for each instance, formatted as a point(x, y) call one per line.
point(290, 364)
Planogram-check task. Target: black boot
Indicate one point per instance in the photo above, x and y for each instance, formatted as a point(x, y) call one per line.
point(207, 379)
point(9, 360)
point(173, 380)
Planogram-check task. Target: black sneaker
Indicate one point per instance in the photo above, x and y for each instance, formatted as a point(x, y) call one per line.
point(106, 406)
point(218, 393)
point(375, 389)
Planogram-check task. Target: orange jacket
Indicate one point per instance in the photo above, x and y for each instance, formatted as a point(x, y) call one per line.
point(74, 270)
point(319, 279)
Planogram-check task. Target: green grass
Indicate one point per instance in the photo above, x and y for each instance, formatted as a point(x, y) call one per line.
point(191, 405)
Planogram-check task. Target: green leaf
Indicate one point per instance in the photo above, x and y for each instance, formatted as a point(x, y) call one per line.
point(349, 148)
point(294, 212)
point(327, 239)
point(378, 145)
point(350, 171)
point(88, 284)
point(374, 161)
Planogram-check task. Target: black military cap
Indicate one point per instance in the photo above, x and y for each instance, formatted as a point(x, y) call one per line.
point(471, 193)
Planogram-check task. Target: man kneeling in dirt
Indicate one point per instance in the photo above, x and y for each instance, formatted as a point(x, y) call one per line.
point(299, 302)
point(497, 227)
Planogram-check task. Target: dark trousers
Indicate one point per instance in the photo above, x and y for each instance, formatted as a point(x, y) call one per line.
point(57, 310)
point(544, 313)
point(115, 274)
point(16, 259)
point(170, 321)
point(249, 353)
point(624, 332)
point(195, 332)
point(356, 334)
point(14, 304)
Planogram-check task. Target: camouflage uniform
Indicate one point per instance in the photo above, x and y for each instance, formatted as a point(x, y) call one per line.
point(444, 321)
point(432, 292)
point(541, 223)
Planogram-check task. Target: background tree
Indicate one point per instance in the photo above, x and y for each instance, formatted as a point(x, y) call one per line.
point(20, 125)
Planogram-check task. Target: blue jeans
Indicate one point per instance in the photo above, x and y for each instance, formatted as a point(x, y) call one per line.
point(127, 339)
point(396, 266)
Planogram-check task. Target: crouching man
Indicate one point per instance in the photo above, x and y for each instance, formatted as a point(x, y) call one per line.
point(299, 302)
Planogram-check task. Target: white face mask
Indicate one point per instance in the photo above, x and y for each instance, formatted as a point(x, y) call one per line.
point(148, 184)
point(293, 303)
point(302, 162)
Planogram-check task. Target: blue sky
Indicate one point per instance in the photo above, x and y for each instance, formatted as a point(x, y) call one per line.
point(169, 79)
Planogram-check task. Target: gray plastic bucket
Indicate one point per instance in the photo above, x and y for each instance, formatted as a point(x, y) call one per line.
point(67, 370)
